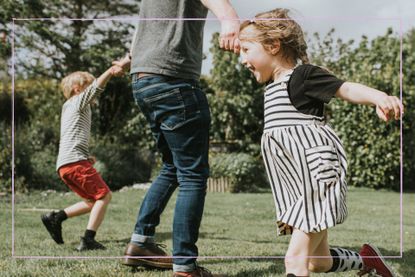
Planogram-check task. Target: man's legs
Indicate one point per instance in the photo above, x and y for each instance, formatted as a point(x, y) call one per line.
point(179, 118)
point(153, 204)
point(189, 142)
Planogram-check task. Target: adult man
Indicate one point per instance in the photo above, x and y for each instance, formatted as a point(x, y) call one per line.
point(166, 60)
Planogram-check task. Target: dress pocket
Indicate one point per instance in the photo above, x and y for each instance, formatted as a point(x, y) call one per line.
point(323, 163)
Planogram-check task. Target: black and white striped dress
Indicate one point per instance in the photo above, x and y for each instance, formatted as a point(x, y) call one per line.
point(306, 165)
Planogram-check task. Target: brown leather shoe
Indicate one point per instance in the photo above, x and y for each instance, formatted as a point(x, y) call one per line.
point(199, 272)
point(136, 256)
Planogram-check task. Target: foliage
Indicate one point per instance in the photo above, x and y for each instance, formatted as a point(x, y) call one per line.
point(236, 104)
point(373, 147)
point(122, 165)
point(22, 170)
point(52, 48)
point(246, 173)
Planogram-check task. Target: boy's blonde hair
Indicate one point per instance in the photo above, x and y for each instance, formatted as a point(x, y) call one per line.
point(268, 30)
point(78, 78)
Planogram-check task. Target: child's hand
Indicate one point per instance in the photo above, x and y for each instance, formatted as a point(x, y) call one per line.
point(92, 159)
point(116, 71)
point(124, 63)
point(388, 106)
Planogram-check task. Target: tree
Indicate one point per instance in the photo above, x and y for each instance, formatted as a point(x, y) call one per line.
point(59, 46)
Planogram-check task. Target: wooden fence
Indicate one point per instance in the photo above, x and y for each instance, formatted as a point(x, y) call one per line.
point(221, 184)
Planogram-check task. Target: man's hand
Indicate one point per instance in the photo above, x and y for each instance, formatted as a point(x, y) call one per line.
point(229, 20)
point(228, 38)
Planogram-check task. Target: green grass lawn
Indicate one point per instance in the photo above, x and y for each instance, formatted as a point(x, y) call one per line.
point(233, 225)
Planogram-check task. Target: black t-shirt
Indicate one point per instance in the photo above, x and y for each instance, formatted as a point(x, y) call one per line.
point(310, 87)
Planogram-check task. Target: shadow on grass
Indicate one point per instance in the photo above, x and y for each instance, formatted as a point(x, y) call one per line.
point(270, 271)
point(404, 266)
point(160, 237)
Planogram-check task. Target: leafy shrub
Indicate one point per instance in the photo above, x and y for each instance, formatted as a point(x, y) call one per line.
point(23, 169)
point(246, 173)
point(372, 146)
point(121, 165)
point(44, 176)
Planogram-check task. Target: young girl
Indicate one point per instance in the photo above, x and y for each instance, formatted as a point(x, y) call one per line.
point(305, 160)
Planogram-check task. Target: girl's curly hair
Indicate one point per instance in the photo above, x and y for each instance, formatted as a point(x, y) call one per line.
point(277, 25)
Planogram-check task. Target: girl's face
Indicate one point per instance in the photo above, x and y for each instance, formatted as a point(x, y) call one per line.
point(258, 60)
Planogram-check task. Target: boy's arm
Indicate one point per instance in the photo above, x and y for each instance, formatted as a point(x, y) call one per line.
point(361, 94)
point(103, 79)
point(84, 98)
point(229, 20)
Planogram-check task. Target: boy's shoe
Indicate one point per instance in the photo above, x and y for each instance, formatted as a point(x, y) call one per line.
point(373, 262)
point(199, 272)
point(137, 256)
point(89, 244)
point(53, 225)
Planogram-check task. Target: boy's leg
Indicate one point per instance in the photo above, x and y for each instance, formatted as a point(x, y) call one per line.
point(79, 208)
point(297, 256)
point(96, 217)
point(98, 210)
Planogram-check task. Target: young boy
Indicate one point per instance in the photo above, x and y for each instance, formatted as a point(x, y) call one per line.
point(74, 165)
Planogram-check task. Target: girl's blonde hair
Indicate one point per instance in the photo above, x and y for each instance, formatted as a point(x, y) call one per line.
point(78, 78)
point(269, 29)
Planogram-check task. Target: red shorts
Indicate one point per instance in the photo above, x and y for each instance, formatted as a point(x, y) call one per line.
point(84, 180)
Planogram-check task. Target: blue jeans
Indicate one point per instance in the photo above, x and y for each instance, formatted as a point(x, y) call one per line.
point(179, 117)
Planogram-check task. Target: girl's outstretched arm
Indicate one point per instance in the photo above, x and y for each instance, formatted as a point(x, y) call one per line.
point(386, 106)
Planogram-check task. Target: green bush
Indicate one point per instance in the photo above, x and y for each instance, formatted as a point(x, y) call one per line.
point(245, 173)
point(23, 170)
point(122, 165)
point(373, 146)
point(45, 176)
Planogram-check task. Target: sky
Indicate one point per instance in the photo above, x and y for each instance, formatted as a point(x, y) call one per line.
point(351, 19)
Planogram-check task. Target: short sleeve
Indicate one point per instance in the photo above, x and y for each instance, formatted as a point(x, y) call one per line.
point(319, 84)
point(310, 87)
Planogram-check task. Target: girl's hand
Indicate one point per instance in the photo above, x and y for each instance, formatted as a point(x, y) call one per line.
point(388, 107)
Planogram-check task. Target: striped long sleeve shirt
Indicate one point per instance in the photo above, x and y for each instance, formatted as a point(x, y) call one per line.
point(76, 127)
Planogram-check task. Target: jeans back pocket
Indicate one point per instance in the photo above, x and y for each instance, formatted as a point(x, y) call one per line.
point(323, 164)
point(168, 108)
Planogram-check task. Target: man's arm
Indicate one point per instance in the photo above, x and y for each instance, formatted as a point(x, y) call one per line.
point(229, 20)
